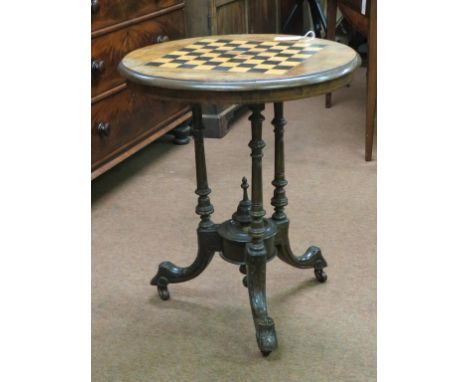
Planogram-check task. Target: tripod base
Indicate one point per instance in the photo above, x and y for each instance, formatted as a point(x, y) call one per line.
point(236, 250)
point(248, 239)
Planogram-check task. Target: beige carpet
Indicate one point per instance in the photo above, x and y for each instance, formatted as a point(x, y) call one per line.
point(143, 213)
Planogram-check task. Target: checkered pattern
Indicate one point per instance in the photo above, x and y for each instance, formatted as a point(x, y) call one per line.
point(239, 56)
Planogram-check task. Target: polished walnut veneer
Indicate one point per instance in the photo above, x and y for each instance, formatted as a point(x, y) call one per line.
point(122, 121)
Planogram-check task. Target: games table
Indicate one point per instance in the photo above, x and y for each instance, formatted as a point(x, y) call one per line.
point(251, 70)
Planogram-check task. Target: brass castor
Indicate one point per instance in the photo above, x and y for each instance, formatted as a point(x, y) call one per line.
point(320, 275)
point(163, 292)
point(161, 283)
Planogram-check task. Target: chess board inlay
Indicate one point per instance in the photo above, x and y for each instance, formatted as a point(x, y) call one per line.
point(239, 56)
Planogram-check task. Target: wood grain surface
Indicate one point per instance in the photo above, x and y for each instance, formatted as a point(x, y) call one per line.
point(112, 12)
point(112, 47)
point(130, 117)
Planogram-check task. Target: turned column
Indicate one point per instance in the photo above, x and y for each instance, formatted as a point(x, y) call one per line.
point(255, 250)
point(279, 200)
point(204, 207)
point(257, 228)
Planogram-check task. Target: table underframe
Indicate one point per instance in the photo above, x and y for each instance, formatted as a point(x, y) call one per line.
point(266, 238)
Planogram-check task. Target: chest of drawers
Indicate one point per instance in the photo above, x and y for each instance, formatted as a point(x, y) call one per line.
point(123, 122)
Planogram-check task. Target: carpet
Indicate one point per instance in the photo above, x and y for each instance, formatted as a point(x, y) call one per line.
point(143, 213)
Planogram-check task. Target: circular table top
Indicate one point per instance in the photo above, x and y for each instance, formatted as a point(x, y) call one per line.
point(234, 65)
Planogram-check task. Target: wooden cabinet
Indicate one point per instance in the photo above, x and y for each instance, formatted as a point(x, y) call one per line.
point(229, 17)
point(265, 16)
point(122, 122)
point(211, 17)
point(218, 17)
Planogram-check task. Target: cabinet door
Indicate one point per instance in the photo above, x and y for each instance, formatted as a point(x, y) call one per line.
point(229, 17)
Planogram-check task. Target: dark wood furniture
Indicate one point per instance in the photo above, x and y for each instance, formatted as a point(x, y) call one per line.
point(251, 70)
point(296, 26)
point(316, 15)
point(122, 121)
point(219, 17)
point(364, 20)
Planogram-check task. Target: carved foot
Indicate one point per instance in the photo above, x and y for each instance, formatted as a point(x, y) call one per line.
point(266, 336)
point(169, 273)
point(256, 277)
point(312, 258)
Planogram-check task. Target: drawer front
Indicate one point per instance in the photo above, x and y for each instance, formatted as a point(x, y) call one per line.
point(122, 119)
point(107, 50)
point(105, 13)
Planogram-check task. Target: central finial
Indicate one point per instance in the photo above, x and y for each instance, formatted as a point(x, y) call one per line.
point(245, 186)
point(242, 215)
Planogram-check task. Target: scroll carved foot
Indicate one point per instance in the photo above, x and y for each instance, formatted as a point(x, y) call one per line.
point(264, 325)
point(266, 336)
point(312, 258)
point(170, 273)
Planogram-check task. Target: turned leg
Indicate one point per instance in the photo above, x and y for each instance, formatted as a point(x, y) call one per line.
point(312, 258)
point(255, 250)
point(208, 239)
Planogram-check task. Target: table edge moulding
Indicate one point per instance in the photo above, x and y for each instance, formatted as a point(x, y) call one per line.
point(235, 90)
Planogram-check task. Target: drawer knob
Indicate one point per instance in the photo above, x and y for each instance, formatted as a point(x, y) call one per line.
point(102, 129)
point(97, 67)
point(161, 38)
point(94, 6)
